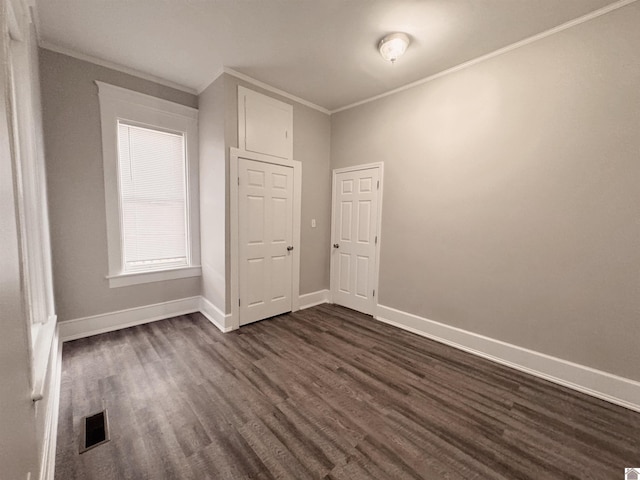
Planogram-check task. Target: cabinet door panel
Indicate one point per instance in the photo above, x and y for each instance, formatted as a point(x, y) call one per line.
point(265, 125)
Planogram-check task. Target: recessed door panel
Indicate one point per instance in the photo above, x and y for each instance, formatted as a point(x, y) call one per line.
point(279, 272)
point(255, 178)
point(255, 273)
point(345, 221)
point(345, 273)
point(364, 221)
point(365, 185)
point(362, 276)
point(255, 219)
point(279, 220)
point(279, 181)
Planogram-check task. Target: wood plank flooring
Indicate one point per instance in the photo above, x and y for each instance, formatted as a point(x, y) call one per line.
point(325, 393)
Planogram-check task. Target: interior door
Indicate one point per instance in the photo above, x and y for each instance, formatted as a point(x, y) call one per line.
point(265, 236)
point(354, 236)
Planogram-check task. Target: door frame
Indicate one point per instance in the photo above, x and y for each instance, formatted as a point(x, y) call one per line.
point(376, 273)
point(234, 216)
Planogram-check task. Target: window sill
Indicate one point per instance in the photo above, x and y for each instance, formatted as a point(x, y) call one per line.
point(126, 279)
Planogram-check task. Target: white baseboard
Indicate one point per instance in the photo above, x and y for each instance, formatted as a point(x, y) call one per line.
point(606, 386)
point(612, 388)
point(48, 457)
point(314, 298)
point(108, 322)
point(215, 315)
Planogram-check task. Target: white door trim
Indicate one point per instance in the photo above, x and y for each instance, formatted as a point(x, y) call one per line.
point(234, 250)
point(335, 172)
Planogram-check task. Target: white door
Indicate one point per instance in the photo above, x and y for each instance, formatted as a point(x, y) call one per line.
point(265, 238)
point(354, 236)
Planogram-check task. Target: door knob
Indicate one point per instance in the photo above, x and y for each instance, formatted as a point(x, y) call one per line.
point(336, 245)
point(289, 248)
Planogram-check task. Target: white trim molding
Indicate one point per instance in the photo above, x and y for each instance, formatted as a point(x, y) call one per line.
point(216, 316)
point(48, 454)
point(312, 299)
point(44, 338)
point(116, 104)
point(120, 94)
point(111, 321)
point(218, 73)
point(108, 322)
point(264, 86)
point(126, 279)
point(606, 386)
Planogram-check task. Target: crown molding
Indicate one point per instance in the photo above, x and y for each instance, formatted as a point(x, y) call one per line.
point(205, 85)
point(105, 63)
point(264, 86)
point(275, 90)
point(114, 66)
point(495, 53)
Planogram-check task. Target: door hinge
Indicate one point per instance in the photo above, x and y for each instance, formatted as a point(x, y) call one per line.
point(378, 184)
point(376, 239)
point(374, 293)
point(238, 302)
point(238, 180)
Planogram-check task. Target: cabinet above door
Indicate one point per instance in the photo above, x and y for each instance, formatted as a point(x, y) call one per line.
point(265, 125)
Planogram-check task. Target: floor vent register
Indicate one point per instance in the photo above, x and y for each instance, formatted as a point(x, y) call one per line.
point(95, 431)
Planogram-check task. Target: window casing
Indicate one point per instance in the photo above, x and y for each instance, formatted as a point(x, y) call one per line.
point(151, 187)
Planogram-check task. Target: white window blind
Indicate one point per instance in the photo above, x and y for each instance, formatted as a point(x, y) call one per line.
point(153, 203)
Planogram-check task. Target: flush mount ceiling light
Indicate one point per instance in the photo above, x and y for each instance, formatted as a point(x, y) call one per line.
point(393, 46)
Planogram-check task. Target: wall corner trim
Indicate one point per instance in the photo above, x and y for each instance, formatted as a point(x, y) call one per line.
point(312, 299)
point(215, 315)
point(606, 386)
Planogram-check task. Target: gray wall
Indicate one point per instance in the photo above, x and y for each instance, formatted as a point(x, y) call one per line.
point(311, 146)
point(73, 144)
point(213, 197)
point(512, 197)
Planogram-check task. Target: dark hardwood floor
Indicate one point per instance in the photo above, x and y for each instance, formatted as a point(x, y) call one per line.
point(325, 393)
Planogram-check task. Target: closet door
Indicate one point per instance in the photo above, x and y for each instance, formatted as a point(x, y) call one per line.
point(265, 239)
point(356, 200)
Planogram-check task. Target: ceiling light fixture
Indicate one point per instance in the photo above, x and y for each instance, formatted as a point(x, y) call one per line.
point(393, 46)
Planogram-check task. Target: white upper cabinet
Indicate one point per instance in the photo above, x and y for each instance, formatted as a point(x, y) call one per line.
point(265, 125)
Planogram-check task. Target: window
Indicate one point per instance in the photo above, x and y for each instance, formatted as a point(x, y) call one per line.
point(150, 166)
point(153, 204)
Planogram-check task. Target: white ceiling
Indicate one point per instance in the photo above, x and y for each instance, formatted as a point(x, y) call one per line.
point(323, 51)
